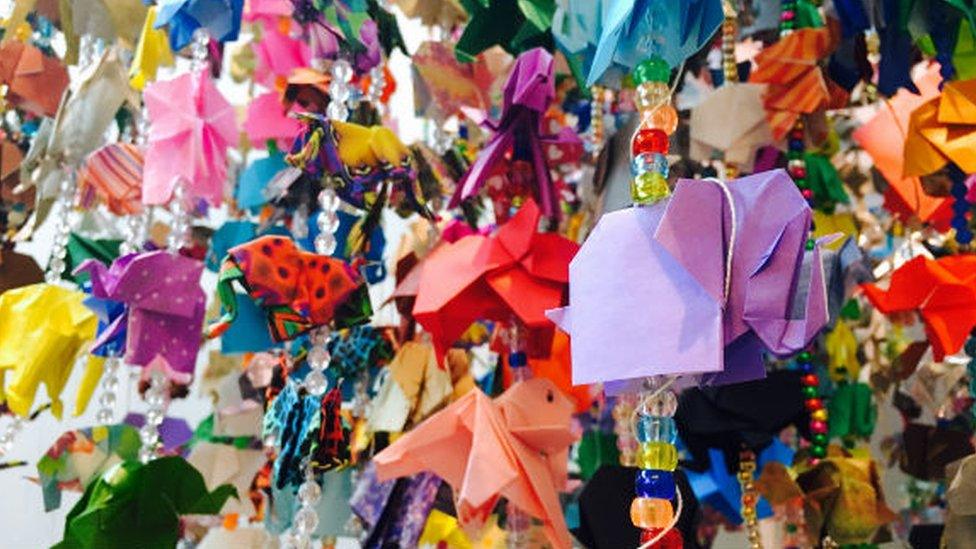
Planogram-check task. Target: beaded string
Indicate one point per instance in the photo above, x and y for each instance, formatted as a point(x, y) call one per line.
point(729, 32)
point(651, 141)
point(813, 403)
point(750, 496)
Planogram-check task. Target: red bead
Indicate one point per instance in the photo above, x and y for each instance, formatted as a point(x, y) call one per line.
point(786, 15)
point(813, 404)
point(807, 194)
point(671, 540)
point(798, 172)
point(818, 427)
point(650, 140)
point(810, 380)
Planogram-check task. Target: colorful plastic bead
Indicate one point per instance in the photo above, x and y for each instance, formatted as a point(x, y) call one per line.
point(818, 427)
point(819, 415)
point(818, 451)
point(651, 512)
point(813, 404)
point(652, 483)
point(651, 140)
point(653, 69)
point(657, 455)
point(809, 392)
point(656, 429)
point(648, 188)
point(651, 95)
point(649, 162)
point(670, 540)
point(810, 380)
point(664, 118)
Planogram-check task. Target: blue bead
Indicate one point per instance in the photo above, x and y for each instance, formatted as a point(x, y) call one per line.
point(652, 483)
point(656, 429)
point(806, 367)
point(964, 236)
point(517, 359)
point(959, 223)
point(649, 162)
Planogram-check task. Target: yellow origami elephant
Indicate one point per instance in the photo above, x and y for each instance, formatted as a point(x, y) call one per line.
point(43, 329)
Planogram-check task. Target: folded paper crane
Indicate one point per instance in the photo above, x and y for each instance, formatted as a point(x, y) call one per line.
point(943, 130)
point(34, 81)
point(516, 273)
point(700, 283)
point(528, 93)
point(513, 447)
point(943, 293)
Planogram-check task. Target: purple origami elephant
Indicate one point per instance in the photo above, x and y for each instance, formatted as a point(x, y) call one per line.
point(654, 291)
point(164, 305)
point(529, 91)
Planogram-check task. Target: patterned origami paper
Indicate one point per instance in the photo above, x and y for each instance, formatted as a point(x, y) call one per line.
point(631, 31)
point(299, 290)
point(34, 81)
point(515, 274)
point(81, 455)
point(43, 329)
point(113, 176)
point(514, 447)
point(450, 84)
point(220, 18)
point(796, 83)
point(415, 387)
point(884, 138)
point(697, 301)
point(526, 26)
point(528, 93)
point(191, 127)
point(393, 511)
point(943, 293)
point(941, 131)
point(165, 305)
point(136, 505)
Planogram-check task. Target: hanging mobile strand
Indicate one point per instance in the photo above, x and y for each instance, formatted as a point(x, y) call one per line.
point(158, 402)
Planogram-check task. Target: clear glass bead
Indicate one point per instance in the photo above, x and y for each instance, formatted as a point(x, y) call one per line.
point(107, 399)
point(104, 416)
point(316, 383)
point(337, 111)
point(148, 434)
point(111, 383)
point(339, 92)
point(146, 454)
point(155, 399)
point(328, 200)
point(664, 404)
point(319, 357)
point(342, 70)
point(325, 244)
point(310, 492)
point(328, 221)
point(154, 417)
point(306, 520)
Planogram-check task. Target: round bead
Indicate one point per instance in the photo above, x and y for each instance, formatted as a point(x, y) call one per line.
point(664, 118)
point(654, 69)
point(807, 194)
point(787, 15)
point(649, 162)
point(648, 188)
point(651, 512)
point(813, 404)
point(819, 415)
point(104, 416)
point(804, 356)
point(818, 427)
point(650, 140)
point(811, 244)
point(664, 404)
point(819, 439)
point(310, 491)
point(652, 483)
point(670, 540)
point(306, 520)
point(810, 380)
point(657, 455)
point(818, 451)
point(656, 429)
point(316, 383)
point(651, 95)
point(809, 392)
point(799, 173)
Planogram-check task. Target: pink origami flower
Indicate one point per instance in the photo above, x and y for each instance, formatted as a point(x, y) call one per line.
point(191, 127)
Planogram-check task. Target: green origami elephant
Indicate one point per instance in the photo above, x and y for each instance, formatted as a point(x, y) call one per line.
point(136, 505)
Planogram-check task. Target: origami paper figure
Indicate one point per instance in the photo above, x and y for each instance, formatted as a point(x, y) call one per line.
point(358, 349)
point(442, 528)
point(174, 433)
point(80, 455)
point(225, 464)
point(220, 18)
point(333, 507)
point(450, 84)
point(416, 386)
point(524, 434)
point(517, 273)
point(152, 52)
point(254, 178)
point(34, 81)
point(113, 176)
point(43, 329)
point(939, 131)
point(842, 496)
point(960, 523)
point(299, 290)
point(393, 511)
point(267, 120)
point(442, 13)
point(796, 83)
point(191, 127)
point(309, 88)
point(731, 120)
point(109, 20)
point(164, 301)
point(528, 93)
point(884, 138)
point(353, 26)
point(527, 27)
point(943, 294)
point(277, 55)
point(81, 249)
point(698, 311)
point(556, 367)
point(136, 505)
point(632, 31)
point(17, 270)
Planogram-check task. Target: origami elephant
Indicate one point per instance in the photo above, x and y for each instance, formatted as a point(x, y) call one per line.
point(702, 283)
point(515, 446)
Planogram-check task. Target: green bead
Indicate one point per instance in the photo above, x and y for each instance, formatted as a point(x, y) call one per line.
point(819, 439)
point(804, 356)
point(654, 69)
point(818, 451)
point(810, 392)
point(811, 244)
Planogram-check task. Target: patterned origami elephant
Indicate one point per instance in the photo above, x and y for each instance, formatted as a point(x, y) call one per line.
point(702, 283)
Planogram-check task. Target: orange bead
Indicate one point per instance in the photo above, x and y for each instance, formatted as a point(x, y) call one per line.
point(664, 118)
point(651, 512)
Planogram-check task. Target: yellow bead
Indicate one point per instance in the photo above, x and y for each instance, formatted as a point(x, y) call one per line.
point(820, 415)
point(651, 513)
point(648, 188)
point(657, 455)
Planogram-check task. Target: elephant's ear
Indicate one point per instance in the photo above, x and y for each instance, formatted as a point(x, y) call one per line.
point(692, 231)
point(788, 272)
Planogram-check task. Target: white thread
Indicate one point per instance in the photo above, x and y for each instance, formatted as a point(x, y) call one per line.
point(728, 256)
